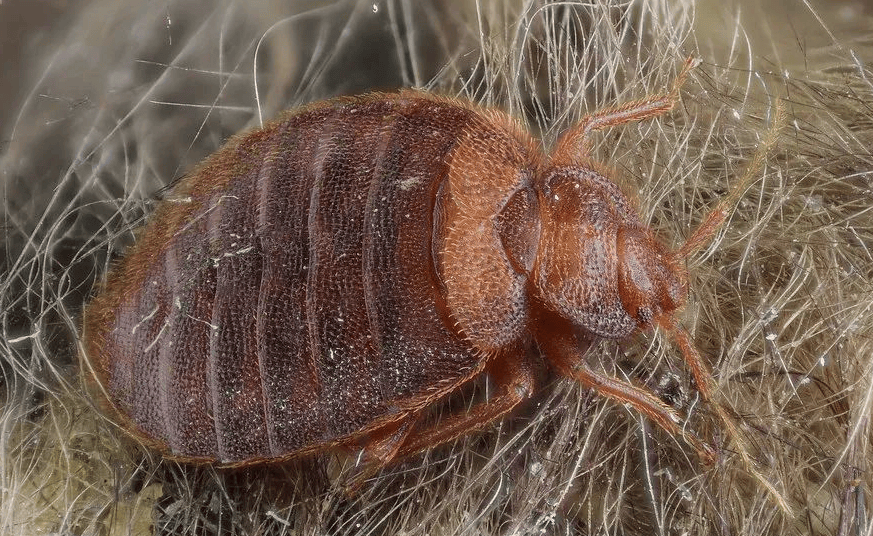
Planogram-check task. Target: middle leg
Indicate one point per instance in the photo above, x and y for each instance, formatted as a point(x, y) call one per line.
point(514, 376)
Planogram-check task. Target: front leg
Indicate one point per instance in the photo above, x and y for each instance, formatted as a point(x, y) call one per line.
point(566, 351)
point(575, 144)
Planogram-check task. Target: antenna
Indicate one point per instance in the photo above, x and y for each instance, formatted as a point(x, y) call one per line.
point(717, 216)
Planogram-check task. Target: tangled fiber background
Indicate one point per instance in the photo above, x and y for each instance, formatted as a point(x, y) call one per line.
point(104, 103)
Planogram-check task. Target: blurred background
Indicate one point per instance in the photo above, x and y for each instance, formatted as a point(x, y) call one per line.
point(103, 103)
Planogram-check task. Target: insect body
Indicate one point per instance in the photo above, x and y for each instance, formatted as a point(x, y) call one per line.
point(324, 279)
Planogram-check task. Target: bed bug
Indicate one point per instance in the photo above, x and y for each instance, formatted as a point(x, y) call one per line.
point(323, 280)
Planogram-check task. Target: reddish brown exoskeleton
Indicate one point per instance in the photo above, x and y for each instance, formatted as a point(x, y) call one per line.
point(323, 280)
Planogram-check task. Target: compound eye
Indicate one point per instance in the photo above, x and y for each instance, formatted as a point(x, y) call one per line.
point(645, 315)
point(676, 291)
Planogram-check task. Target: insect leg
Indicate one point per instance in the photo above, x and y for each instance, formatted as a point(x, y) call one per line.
point(563, 350)
point(575, 144)
point(514, 377)
point(385, 442)
point(381, 449)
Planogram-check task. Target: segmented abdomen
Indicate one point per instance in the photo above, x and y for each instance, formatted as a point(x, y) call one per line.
point(285, 294)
